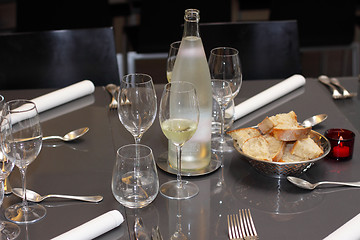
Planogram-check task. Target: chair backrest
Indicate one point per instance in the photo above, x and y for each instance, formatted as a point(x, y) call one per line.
point(267, 49)
point(55, 59)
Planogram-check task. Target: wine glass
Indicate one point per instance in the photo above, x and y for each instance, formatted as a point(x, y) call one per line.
point(179, 118)
point(135, 182)
point(222, 94)
point(224, 64)
point(22, 146)
point(174, 49)
point(8, 230)
point(137, 104)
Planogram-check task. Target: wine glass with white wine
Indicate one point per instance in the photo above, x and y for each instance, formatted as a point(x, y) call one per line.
point(179, 119)
point(170, 62)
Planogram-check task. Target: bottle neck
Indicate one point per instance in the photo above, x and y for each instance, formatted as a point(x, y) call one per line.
point(191, 26)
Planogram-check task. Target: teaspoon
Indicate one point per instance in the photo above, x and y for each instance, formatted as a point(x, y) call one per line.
point(75, 134)
point(314, 120)
point(35, 197)
point(310, 186)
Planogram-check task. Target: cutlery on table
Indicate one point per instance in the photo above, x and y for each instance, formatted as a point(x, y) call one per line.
point(346, 93)
point(139, 230)
point(70, 136)
point(155, 233)
point(314, 120)
point(112, 89)
point(241, 226)
point(35, 197)
point(310, 186)
point(335, 93)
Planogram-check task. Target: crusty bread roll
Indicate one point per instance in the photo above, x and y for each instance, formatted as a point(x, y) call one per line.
point(306, 149)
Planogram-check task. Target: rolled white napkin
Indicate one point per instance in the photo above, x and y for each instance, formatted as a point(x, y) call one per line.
point(349, 231)
point(94, 227)
point(57, 98)
point(63, 95)
point(269, 95)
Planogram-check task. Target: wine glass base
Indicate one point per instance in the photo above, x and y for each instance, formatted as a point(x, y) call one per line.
point(175, 190)
point(19, 213)
point(9, 230)
point(218, 145)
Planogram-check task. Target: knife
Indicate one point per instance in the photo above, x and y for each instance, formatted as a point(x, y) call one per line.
point(139, 230)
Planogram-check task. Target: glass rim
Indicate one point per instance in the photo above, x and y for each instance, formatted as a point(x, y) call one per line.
point(191, 87)
point(174, 43)
point(131, 146)
point(234, 51)
point(2, 98)
point(339, 130)
point(133, 77)
point(20, 108)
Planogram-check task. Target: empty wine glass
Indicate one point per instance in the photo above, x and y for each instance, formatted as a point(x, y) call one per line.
point(8, 230)
point(135, 182)
point(221, 92)
point(174, 49)
point(22, 146)
point(224, 64)
point(179, 118)
point(137, 104)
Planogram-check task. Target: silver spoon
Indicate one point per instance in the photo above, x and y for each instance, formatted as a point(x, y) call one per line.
point(314, 120)
point(69, 136)
point(310, 186)
point(35, 197)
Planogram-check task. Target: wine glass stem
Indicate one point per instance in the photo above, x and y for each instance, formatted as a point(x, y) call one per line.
point(178, 175)
point(222, 127)
point(23, 180)
point(137, 139)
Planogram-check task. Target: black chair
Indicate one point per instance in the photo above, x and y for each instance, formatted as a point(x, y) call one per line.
point(55, 59)
point(267, 49)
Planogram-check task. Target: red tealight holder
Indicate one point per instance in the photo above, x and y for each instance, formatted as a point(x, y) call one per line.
point(342, 143)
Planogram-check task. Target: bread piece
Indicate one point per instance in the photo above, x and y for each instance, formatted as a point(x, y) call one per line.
point(287, 156)
point(264, 148)
point(243, 134)
point(284, 127)
point(258, 148)
point(306, 149)
point(276, 147)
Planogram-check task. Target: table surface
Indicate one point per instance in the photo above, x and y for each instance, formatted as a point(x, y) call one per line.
point(280, 210)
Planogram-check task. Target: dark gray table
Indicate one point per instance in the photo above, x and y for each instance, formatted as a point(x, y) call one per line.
point(280, 210)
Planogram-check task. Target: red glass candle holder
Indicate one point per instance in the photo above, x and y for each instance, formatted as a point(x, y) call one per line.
point(342, 143)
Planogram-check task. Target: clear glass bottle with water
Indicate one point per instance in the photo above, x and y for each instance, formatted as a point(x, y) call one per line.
point(191, 66)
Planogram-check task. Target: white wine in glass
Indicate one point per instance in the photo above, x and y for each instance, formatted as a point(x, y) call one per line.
point(174, 49)
point(179, 119)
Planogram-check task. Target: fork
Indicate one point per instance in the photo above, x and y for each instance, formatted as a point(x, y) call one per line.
point(346, 93)
point(335, 93)
point(112, 89)
point(241, 226)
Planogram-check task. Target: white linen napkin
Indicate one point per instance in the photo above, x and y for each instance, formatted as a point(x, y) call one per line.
point(269, 95)
point(349, 231)
point(57, 98)
point(94, 227)
point(63, 95)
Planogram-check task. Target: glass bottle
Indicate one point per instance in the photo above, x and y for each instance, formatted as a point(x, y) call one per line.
point(191, 66)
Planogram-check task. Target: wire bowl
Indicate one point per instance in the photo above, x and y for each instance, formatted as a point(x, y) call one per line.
point(283, 169)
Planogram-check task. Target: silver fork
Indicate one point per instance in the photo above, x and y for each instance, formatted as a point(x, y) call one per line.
point(241, 227)
point(346, 93)
point(112, 89)
point(249, 226)
point(335, 93)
